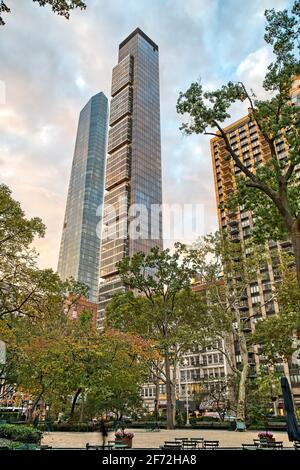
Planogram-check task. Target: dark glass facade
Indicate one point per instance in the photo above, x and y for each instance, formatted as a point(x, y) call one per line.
point(133, 173)
point(80, 243)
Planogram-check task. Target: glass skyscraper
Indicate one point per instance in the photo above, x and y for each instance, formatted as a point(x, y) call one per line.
point(133, 173)
point(80, 243)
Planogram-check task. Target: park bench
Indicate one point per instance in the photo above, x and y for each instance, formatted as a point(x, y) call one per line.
point(271, 445)
point(265, 444)
point(297, 445)
point(254, 446)
point(117, 445)
point(190, 442)
point(189, 445)
point(99, 447)
point(210, 445)
point(172, 445)
point(198, 440)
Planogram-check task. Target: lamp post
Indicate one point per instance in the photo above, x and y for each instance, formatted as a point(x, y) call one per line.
point(2, 363)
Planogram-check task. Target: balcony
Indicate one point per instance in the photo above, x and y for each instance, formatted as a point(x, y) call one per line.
point(244, 316)
point(228, 182)
point(235, 238)
point(267, 287)
point(288, 250)
point(244, 306)
point(251, 361)
point(234, 229)
point(231, 213)
point(247, 328)
point(232, 222)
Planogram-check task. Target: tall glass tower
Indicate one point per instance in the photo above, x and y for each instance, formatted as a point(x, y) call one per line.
point(80, 243)
point(132, 221)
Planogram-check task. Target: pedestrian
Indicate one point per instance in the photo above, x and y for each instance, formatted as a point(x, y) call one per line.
point(103, 431)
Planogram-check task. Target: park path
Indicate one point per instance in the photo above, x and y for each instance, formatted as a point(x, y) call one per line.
point(147, 440)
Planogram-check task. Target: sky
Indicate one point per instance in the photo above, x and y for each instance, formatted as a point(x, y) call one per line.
point(50, 67)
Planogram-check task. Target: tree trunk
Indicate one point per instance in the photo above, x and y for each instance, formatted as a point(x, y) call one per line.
point(173, 402)
point(78, 392)
point(295, 239)
point(156, 396)
point(81, 411)
point(241, 405)
point(170, 403)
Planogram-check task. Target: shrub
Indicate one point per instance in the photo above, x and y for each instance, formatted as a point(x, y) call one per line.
point(10, 416)
point(210, 419)
point(17, 445)
point(265, 435)
point(21, 433)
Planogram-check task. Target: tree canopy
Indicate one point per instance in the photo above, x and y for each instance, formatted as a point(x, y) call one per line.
point(60, 7)
point(164, 311)
point(271, 191)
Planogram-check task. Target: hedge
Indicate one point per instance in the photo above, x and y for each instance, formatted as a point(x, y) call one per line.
point(213, 425)
point(68, 427)
point(10, 416)
point(20, 433)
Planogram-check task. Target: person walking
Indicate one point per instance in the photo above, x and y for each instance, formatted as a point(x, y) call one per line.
point(103, 431)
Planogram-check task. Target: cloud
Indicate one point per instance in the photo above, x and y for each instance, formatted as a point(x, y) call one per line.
point(50, 68)
point(253, 68)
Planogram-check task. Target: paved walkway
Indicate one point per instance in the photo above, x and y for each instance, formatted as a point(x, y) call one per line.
point(148, 440)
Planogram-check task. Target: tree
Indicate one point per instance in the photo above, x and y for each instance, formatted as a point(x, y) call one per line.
point(59, 361)
point(165, 311)
point(215, 392)
point(225, 272)
point(271, 191)
point(262, 393)
point(277, 335)
point(33, 342)
point(61, 7)
point(24, 289)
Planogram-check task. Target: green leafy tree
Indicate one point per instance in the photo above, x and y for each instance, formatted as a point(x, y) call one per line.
point(225, 272)
point(262, 393)
point(165, 311)
point(24, 289)
point(62, 361)
point(271, 191)
point(277, 336)
point(61, 7)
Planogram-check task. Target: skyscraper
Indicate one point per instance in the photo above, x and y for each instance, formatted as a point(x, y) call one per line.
point(133, 173)
point(80, 243)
